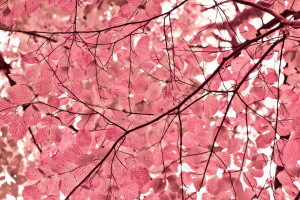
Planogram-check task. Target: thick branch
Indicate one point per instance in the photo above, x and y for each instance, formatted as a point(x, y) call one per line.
point(34, 141)
point(258, 6)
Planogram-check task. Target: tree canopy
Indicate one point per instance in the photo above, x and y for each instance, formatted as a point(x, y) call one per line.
point(149, 99)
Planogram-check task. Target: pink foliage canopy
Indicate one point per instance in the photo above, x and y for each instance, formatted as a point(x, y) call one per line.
point(151, 99)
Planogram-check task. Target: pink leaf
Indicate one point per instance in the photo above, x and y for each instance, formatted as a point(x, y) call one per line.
point(83, 138)
point(67, 183)
point(136, 2)
point(223, 159)
point(29, 59)
point(248, 31)
point(31, 116)
point(42, 135)
point(143, 42)
point(32, 5)
point(120, 88)
point(6, 16)
point(264, 140)
point(52, 186)
point(153, 9)
point(34, 174)
point(18, 78)
point(127, 10)
point(239, 63)
point(195, 125)
point(67, 5)
point(53, 103)
point(43, 86)
point(130, 191)
point(116, 21)
point(31, 193)
point(113, 133)
point(18, 128)
point(83, 160)
point(291, 152)
point(209, 54)
point(289, 96)
point(250, 179)
point(211, 183)
point(76, 74)
point(284, 178)
point(20, 94)
point(141, 176)
point(211, 106)
point(261, 125)
point(145, 158)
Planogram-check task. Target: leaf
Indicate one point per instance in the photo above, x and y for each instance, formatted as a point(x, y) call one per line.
point(83, 160)
point(29, 59)
point(145, 158)
point(31, 116)
point(223, 160)
point(248, 31)
point(284, 178)
point(211, 185)
point(52, 197)
point(6, 107)
point(250, 179)
point(289, 96)
point(72, 153)
point(18, 78)
point(256, 172)
point(143, 43)
point(116, 21)
point(43, 86)
point(83, 138)
point(209, 54)
point(6, 16)
point(76, 74)
point(130, 191)
point(127, 10)
point(136, 2)
point(153, 9)
point(211, 106)
point(234, 145)
point(135, 141)
point(239, 64)
point(264, 140)
point(279, 194)
point(55, 134)
point(291, 152)
point(158, 184)
point(67, 5)
point(195, 125)
point(32, 5)
point(140, 176)
point(113, 133)
point(34, 174)
point(18, 128)
point(67, 183)
point(31, 193)
point(261, 125)
point(42, 135)
point(20, 94)
point(153, 93)
point(170, 153)
point(53, 103)
point(271, 77)
point(120, 88)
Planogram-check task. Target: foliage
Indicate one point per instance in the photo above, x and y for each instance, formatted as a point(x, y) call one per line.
point(150, 99)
